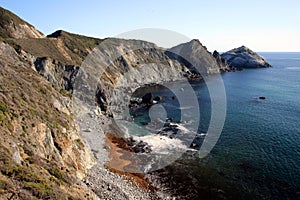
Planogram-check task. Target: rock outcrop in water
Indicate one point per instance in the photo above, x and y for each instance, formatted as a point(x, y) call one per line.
point(243, 57)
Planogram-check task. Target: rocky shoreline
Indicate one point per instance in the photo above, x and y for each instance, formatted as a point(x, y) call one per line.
point(109, 183)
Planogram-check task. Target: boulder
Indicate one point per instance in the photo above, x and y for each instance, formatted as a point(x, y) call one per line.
point(141, 147)
point(158, 98)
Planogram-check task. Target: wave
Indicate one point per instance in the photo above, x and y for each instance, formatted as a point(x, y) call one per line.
point(201, 134)
point(163, 144)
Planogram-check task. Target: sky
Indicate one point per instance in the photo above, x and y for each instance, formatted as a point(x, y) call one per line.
point(261, 25)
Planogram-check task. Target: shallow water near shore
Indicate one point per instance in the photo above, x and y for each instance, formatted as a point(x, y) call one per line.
point(258, 153)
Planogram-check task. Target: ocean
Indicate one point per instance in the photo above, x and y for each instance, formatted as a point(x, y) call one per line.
point(258, 153)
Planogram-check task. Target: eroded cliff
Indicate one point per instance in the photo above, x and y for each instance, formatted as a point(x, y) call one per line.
point(43, 154)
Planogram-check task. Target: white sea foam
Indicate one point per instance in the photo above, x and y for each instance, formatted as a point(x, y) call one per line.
point(201, 134)
point(163, 144)
point(186, 107)
point(182, 128)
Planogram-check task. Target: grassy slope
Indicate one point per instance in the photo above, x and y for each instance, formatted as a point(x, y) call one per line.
point(64, 47)
point(78, 46)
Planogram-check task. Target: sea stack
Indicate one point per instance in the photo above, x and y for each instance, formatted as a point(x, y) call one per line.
point(243, 57)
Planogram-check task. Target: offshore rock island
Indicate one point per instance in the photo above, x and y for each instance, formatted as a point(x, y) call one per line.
point(243, 57)
point(43, 153)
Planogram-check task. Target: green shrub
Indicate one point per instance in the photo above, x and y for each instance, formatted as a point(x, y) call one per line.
point(4, 185)
point(24, 129)
point(15, 115)
point(3, 107)
point(60, 174)
point(40, 190)
point(1, 118)
point(55, 124)
point(42, 90)
point(55, 171)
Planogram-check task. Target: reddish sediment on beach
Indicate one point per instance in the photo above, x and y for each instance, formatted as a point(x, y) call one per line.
point(121, 157)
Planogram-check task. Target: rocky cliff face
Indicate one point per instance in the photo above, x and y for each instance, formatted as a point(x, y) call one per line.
point(224, 67)
point(39, 141)
point(126, 65)
point(42, 154)
point(197, 55)
point(243, 57)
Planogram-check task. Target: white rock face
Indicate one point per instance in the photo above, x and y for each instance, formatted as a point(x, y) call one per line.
point(8, 53)
point(243, 57)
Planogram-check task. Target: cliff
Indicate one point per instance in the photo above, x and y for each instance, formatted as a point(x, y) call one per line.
point(43, 153)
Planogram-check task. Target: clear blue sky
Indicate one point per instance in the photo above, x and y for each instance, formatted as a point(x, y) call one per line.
point(262, 25)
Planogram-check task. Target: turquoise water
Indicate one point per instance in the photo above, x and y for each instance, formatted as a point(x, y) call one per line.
point(258, 153)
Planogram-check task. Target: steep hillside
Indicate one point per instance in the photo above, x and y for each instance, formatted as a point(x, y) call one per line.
point(11, 26)
point(41, 151)
point(78, 46)
point(56, 57)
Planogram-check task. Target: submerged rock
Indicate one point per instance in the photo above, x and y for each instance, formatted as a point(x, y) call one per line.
point(243, 57)
point(141, 147)
point(158, 98)
point(147, 99)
